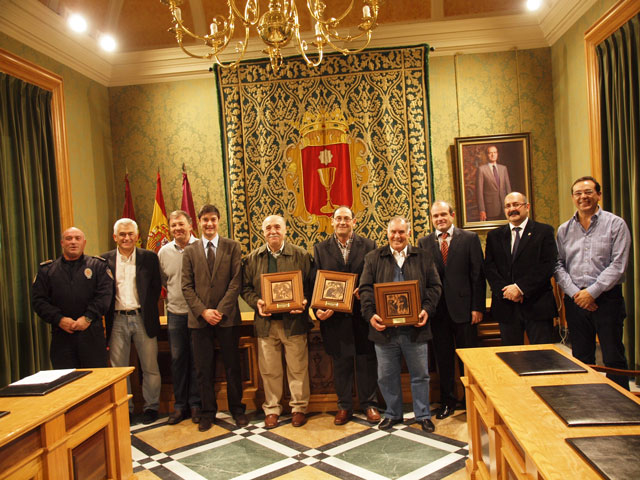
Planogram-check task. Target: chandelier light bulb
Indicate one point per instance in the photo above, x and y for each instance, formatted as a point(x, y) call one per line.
point(77, 23)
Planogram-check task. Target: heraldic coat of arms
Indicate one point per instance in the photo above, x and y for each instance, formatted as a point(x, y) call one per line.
point(326, 168)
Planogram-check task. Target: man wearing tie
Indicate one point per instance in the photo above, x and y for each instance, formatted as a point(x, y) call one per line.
point(458, 258)
point(492, 185)
point(211, 282)
point(519, 264)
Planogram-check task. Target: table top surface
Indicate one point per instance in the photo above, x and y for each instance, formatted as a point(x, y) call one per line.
point(539, 431)
point(29, 412)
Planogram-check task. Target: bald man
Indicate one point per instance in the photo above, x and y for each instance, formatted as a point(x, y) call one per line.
point(72, 294)
point(275, 331)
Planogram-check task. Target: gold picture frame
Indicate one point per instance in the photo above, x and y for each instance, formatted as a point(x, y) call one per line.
point(334, 290)
point(398, 303)
point(282, 291)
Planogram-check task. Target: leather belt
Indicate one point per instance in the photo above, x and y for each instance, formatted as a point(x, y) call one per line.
point(128, 312)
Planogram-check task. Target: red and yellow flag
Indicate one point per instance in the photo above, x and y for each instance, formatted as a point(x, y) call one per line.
point(187, 203)
point(159, 228)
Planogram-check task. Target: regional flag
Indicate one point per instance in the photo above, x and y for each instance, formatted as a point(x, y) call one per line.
point(187, 203)
point(159, 228)
point(127, 211)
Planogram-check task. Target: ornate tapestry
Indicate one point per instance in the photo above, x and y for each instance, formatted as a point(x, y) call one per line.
point(354, 131)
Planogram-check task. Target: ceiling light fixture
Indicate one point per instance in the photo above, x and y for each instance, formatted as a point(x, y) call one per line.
point(107, 42)
point(534, 5)
point(277, 27)
point(77, 23)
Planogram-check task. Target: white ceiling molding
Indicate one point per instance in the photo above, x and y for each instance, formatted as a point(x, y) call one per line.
point(35, 25)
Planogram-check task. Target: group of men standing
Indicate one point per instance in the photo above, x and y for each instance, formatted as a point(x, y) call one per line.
point(204, 278)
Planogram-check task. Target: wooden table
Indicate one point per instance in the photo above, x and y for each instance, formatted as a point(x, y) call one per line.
point(80, 430)
point(512, 432)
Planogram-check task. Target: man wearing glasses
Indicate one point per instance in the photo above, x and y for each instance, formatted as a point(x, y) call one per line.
point(593, 250)
point(520, 260)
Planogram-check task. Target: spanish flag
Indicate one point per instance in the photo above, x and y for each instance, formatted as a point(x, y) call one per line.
point(159, 228)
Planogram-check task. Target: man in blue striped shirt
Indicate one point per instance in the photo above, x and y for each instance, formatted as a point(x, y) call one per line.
point(593, 249)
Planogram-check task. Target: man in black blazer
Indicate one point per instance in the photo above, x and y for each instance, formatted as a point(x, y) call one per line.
point(462, 303)
point(211, 283)
point(519, 264)
point(344, 335)
point(133, 314)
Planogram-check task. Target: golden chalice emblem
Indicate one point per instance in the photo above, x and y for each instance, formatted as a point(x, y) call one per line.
point(327, 177)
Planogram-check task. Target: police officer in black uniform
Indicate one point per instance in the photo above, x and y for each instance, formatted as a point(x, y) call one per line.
point(72, 293)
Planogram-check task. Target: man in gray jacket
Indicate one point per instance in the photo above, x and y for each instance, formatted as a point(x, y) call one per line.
point(397, 262)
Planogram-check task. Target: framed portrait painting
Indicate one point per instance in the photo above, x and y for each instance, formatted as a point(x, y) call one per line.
point(487, 168)
point(397, 303)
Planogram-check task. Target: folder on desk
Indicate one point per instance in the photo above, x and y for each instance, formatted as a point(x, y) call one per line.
point(615, 457)
point(590, 404)
point(41, 383)
point(540, 362)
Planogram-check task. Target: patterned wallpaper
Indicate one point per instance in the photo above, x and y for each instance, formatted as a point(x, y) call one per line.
point(161, 126)
point(495, 93)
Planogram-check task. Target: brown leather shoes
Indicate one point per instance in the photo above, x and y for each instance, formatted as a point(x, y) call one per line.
point(271, 421)
point(373, 416)
point(298, 419)
point(342, 417)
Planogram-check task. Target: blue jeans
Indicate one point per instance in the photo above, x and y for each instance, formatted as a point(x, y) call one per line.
point(389, 369)
point(183, 370)
point(125, 328)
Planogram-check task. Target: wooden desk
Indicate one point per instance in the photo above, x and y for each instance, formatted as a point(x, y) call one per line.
point(80, 430)
point(512, 432)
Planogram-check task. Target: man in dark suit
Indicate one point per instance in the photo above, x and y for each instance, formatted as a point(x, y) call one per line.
point(457, 255)
point(133, 314)
point(344, 335)
point(492, 185)
point(396, 262)
point(211, 282)
point(519, 264)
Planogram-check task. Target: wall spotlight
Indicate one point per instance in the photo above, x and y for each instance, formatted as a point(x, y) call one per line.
point(107, 42)
point(77, 23)
point(534, 5)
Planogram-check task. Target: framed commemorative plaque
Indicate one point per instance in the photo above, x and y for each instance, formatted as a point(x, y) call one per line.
point(334, 290)
point(282, 291)
point(397, 303)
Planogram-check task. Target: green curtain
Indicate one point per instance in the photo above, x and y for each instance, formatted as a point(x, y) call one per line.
point(620, 130)
point(30, 227)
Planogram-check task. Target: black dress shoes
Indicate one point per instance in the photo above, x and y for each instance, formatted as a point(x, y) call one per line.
point(241, 420)
point(177, 416)
point(427, 425)
point(445, 411)
point(195, 414)
point(205, 424)
point(388, 423)
point(149, 416)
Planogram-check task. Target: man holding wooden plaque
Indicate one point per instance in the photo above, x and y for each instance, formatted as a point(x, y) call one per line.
point(344, 334)
point(277, 330)
point(398, 262)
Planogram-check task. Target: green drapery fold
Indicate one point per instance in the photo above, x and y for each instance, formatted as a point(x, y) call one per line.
point(30, 227)
point(619, 71)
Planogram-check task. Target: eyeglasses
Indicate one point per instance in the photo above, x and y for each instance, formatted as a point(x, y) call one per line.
point(514, 205)
point(586, 193)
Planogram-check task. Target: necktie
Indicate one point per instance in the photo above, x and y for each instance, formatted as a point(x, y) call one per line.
point(516, 242)
point(444, 247)
point(211, 257)
point(495, 175)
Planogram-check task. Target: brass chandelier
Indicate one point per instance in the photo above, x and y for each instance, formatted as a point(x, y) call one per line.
point(277, 27)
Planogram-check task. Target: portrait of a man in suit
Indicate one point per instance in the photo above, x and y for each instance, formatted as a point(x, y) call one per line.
point(492, 185)
point(490, 167)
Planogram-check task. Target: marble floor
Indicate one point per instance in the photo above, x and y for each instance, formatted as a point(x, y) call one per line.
point(317, 450)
